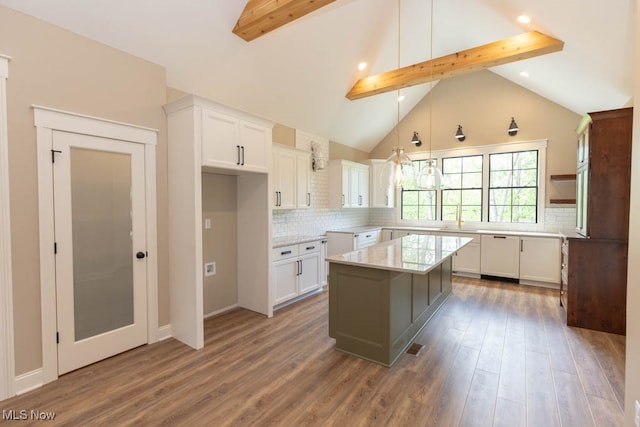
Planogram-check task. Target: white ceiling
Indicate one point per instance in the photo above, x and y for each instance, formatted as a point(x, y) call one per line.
point(299, 74)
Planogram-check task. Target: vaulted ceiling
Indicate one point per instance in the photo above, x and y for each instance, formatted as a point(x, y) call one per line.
point(299, 74)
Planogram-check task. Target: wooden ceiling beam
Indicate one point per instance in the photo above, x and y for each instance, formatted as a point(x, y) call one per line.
point(512, 49)
point(262, 16)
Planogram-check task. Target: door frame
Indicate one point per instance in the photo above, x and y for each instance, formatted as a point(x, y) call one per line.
point(47, 120)
point(7, 351)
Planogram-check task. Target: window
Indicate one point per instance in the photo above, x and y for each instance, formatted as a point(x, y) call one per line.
point(496, 183)
point(417, 203)
point(513, 187)
point(463, 188)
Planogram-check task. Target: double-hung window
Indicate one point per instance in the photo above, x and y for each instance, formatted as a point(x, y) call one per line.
point(462, 193)
point(513, 187)
point(418, 203)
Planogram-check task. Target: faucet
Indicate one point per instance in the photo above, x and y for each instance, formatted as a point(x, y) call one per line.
point(459, 220)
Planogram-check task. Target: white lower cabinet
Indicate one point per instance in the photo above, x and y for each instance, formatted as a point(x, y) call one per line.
point(540, 259)
point(500, 256)
point(297, 270)
point(467, 259)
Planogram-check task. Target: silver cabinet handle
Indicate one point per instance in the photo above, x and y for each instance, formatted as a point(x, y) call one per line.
point(308, 199)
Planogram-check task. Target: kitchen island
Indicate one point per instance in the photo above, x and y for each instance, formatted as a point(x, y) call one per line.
point(382, 296)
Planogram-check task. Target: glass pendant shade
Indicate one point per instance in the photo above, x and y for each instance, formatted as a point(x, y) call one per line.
point(430, 179)
point(396, 162)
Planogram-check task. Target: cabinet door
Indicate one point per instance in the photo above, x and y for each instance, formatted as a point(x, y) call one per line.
point(540, 259)
point(354, 187)
point(254, 142)
point(285, 274)
point(309, 278)
point(303, 165)
point(285, 179)
point(500, 256)
point(346, 194)
point(220, 146)
point(363, 187)
point(380, 185)
point(467, 259)
point(582, 194)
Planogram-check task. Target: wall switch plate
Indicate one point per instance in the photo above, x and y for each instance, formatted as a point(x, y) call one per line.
point(210, 269)
point(207, 223)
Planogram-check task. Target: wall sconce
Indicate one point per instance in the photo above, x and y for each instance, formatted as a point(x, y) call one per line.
point(513, 128)
point(416, 139)
point(459, 134)
point(318, 160)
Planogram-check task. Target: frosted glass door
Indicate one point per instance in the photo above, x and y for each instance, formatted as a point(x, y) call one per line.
point(100, 261)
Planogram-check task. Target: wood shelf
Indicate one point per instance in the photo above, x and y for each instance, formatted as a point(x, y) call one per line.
point(562, 201)
point(565, 177)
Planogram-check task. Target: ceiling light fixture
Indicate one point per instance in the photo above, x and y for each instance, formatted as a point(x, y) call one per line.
point(431, 178)
point(524, 19)
point(513, 127)
point(415, 140)
point(459, 134)
point(362, 66)
point(398, 159)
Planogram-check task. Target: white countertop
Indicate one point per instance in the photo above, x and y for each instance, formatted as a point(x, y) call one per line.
point(356, 230)
point(279, 242)
point(415, 253)
point(474, 231)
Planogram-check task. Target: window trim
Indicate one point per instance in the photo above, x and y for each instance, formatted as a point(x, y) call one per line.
point(485, 150)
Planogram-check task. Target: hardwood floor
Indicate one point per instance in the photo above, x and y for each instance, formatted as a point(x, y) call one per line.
point(495, 354)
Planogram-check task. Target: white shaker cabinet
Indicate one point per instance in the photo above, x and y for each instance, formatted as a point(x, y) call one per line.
point(291, 178)
point(230, 142)
point(297, 270)
point(467, 259)
point(348, 184)
point(540, 259)
point(500, 255)
point(381, 190)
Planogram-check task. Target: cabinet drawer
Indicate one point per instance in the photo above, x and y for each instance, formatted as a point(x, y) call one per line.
point(369, 238)
point(309, 248)
point(285, 252)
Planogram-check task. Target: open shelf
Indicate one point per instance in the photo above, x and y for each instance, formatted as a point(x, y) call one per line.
point(564, 177)
point(562, 201)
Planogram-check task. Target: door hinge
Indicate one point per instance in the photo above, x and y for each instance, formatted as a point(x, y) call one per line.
point(55, 247)
point(57, 337)
point(53, 155)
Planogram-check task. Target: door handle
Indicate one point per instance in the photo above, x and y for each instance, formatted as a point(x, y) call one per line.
point(238, 155)
point(141, 255)
point(499, 237)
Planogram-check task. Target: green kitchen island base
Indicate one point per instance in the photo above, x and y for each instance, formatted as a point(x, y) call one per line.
point(376, 314)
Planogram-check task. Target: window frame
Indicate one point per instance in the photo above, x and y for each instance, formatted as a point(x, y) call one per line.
point(485, 150)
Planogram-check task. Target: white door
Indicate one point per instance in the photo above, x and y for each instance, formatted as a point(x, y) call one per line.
point(99, 199)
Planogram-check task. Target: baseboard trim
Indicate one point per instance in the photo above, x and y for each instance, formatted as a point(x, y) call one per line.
point(28, 381)
point(221, 311)
point(164, 332)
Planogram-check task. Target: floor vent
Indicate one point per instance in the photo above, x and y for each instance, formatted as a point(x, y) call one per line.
point(415, 349)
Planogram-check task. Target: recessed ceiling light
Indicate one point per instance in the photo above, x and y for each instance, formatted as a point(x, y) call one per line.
point(524, 74)
point(362, 66)
point(524, 19)
point(401, 98)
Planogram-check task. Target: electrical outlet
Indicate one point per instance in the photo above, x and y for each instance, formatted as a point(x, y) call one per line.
point(210, 269)
point(637, 418)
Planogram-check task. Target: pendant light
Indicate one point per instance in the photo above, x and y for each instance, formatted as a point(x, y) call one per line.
point(431, 179)
point(398, 159)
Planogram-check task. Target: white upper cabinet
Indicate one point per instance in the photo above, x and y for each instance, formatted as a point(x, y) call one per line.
point(291, 178)
point(229, 139)
point(348, 184)
point(381, 191)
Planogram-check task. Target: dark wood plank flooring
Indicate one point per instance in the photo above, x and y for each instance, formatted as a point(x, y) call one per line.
point(495, 354)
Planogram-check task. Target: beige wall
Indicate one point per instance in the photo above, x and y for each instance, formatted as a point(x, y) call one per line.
point(55, 68)
point(284, 135)
point(340, 151)
point(483, 103)
point(219, 243)
point(632, 368)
